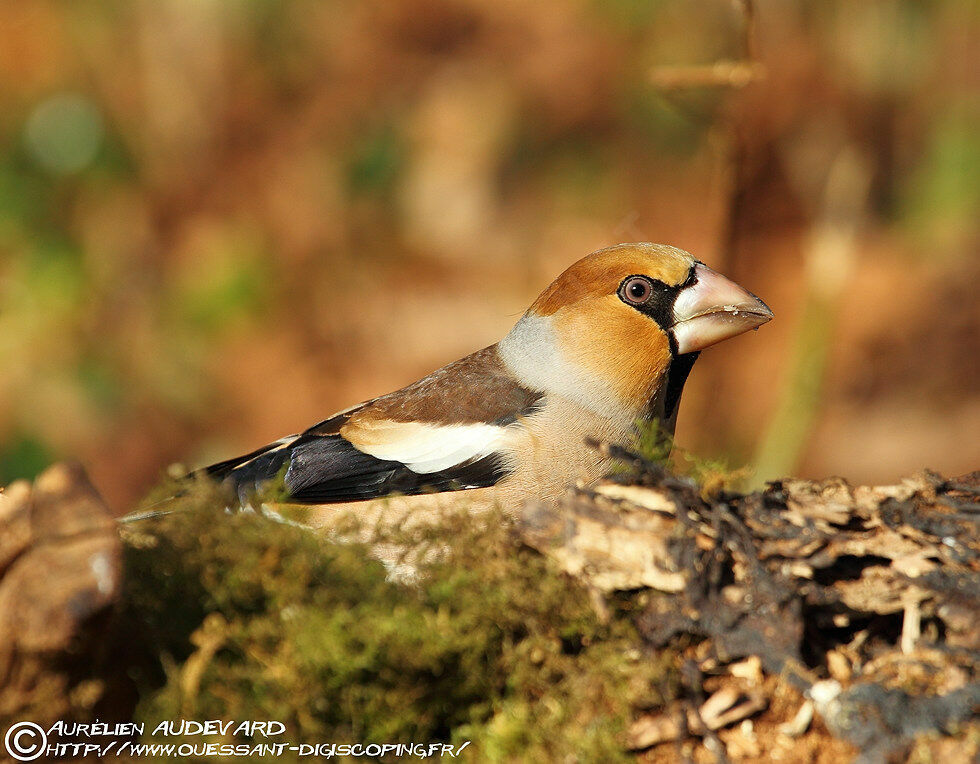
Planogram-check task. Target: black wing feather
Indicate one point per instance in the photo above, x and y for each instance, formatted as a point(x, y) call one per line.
point(325, 469)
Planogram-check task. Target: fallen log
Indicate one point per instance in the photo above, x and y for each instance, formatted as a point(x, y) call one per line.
point(866, 600)
point(813, 621)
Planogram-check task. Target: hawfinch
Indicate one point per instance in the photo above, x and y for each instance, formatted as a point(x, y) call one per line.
point(609, 343)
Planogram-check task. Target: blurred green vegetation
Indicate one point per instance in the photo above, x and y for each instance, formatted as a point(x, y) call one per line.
point(252, 619)
point(942, 196)
point(221, 221)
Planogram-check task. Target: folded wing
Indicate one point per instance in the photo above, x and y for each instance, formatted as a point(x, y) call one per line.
point(424, 438)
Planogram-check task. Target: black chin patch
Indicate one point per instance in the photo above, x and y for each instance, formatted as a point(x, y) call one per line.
point(677, 375)
point(664, 404)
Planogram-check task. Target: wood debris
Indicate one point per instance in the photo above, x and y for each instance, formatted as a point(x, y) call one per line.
point(863, 601)
point(60, 575)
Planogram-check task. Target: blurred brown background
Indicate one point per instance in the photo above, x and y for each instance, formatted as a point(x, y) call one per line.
point(221, 220)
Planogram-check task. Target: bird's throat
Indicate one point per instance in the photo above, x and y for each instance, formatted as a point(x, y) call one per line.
point(665, 402)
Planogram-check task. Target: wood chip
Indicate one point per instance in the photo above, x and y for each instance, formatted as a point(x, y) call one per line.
point(800, 722)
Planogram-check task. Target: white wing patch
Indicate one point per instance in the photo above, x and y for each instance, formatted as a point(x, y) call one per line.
point(425, 448)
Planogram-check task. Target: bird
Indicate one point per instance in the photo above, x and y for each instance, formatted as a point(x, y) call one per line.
point(607, 346)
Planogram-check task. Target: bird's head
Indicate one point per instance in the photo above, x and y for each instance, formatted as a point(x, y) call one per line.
point(607, 330)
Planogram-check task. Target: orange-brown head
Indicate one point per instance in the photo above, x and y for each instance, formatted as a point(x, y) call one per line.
point(606, 331)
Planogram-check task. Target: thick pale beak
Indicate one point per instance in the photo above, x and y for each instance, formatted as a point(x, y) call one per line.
point(713, 309)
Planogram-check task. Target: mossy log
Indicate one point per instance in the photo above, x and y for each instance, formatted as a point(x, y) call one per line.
point(646, 617)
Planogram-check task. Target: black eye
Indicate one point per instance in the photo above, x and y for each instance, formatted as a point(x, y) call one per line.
point(637, 290)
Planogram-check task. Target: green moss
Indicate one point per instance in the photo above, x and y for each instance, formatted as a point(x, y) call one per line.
point(652, 442)
point(658, 446)
point(245, 618)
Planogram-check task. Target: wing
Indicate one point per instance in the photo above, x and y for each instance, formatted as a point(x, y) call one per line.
point(446, 432)
point(330, 468)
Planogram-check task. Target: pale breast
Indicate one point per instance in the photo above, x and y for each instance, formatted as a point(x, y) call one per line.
point(550, 453)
